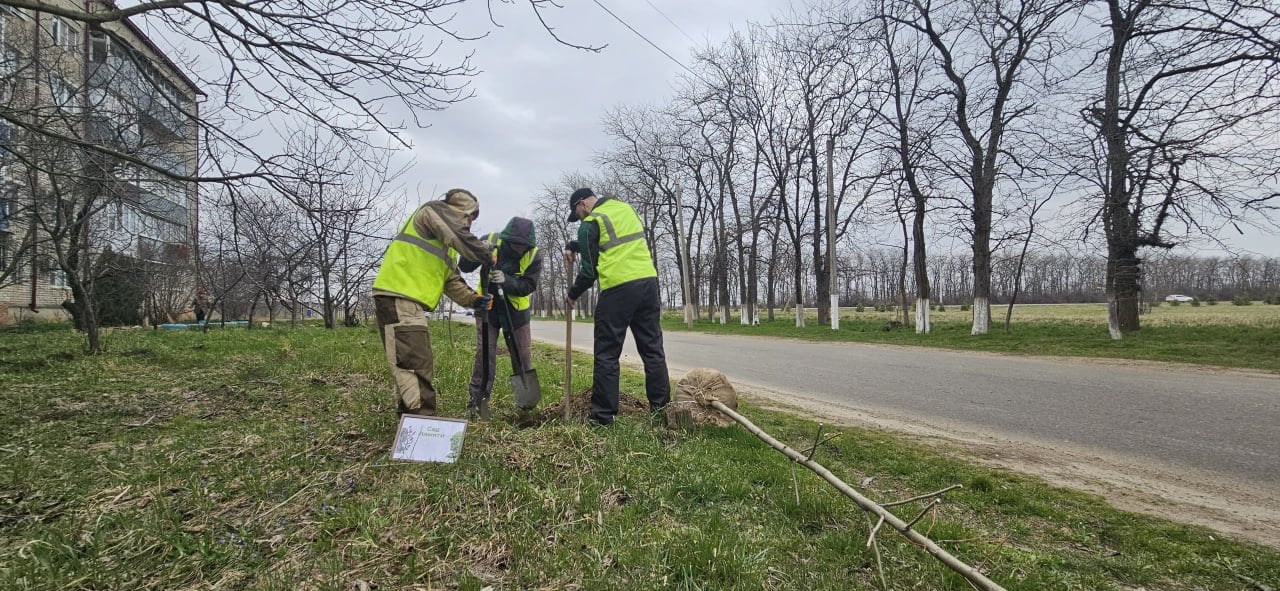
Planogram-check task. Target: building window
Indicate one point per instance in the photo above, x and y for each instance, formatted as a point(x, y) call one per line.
point(61, 92)
point(99, 46)
point(10, 251)
point(64, 35)
point(4, 214)
point(128, 219)
point(58, 278)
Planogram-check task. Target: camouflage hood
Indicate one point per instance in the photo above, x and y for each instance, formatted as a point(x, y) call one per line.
point(519, 231)
point(462, 201)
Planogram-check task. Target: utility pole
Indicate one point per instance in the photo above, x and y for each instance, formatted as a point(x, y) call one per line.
point(683, 247)
point(831, 234)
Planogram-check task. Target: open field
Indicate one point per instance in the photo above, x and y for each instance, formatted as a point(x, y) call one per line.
point(1258, 314)
point(1223, 335)
point(258, 459)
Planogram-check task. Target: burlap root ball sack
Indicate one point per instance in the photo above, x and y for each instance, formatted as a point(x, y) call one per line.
point(694, 394)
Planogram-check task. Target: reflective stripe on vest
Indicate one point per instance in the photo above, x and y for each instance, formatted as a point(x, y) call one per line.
point(624, 254)
point(415, 267)
point(520, 303)
point(614, 239)
point(437, 250)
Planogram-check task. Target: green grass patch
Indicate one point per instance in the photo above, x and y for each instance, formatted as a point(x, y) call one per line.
point(1242, 338)
point(258, 460)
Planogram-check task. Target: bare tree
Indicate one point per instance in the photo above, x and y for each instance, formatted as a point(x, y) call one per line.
point(338, 194)
point(987, 51)
point(911, 130)
point(1183, 128)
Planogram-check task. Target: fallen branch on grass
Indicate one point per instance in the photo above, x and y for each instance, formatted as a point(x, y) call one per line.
point(978, 579)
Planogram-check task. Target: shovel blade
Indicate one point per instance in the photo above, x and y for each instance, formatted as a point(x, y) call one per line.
point(526, 389)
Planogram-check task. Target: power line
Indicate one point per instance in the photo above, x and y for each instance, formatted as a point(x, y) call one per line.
point(655, 45)
point(673, 23)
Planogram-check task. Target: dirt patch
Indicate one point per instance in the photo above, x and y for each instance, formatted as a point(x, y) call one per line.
point(580, 408)
point(1237, 508)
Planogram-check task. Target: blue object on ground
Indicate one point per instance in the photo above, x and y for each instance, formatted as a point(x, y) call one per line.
point(174, 326)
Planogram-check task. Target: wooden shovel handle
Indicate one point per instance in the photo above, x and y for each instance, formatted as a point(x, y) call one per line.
point(568, 342)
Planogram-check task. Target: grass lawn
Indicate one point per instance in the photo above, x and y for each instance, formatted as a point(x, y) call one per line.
point(1221, 335)
point(259, 460)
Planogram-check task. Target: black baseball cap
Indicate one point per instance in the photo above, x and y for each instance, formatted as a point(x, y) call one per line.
point(577, 198)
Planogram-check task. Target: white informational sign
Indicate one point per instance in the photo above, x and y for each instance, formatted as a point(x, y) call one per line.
point(428, 439)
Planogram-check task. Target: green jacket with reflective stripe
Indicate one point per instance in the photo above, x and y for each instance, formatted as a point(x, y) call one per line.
point(520, 303)
point(415, 267)
point(624, 254)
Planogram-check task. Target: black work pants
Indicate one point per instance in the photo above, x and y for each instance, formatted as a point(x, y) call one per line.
point(635, 305)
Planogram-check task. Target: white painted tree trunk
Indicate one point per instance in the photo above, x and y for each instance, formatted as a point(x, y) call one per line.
point(981, 316)
point(742, 315)
point(835, 312)
point(724, 314)
point(922, 315)
point(1113, 317)
point(799, 315)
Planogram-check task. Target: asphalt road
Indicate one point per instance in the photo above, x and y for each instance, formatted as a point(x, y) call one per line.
point(1223, 422)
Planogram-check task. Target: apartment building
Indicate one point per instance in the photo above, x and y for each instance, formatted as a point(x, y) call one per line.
point(91, 118)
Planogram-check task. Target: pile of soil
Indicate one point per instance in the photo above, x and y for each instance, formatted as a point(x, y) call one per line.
point(694, 394)
point(580, 408)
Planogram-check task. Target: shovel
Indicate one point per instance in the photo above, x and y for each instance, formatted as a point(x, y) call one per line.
point(525, 387)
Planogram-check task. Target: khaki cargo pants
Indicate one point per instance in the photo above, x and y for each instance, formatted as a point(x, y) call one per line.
point(403, 326)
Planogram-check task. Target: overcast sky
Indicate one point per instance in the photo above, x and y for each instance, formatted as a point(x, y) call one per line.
point(538, 105)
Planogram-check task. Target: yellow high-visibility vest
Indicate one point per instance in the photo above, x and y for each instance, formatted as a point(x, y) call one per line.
point(415, 267)
point(624, 255)
point(520, 303)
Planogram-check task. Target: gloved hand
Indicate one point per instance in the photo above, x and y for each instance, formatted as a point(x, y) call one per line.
point(484, 302)
point(497, 277)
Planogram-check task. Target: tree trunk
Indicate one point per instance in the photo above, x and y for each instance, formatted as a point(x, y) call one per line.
point(904, 311)
point(1123, 289)
point(982, 270)
point(86, 316)
point(771, 296)
point(798, 276)
point(921, 267)
point(1123, 269)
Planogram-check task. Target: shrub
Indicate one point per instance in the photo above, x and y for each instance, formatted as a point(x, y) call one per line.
point(1156, 303)
point(1212, 301)
point(964, 307)
point(859, 307)
point(1195, 302)
point(942, 308)
point(1242, 300)
point(1175, 303)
